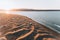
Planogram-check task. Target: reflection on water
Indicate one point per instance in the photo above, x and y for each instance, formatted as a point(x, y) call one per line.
point(48, 18)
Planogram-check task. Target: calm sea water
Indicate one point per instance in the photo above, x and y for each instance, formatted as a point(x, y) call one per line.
point(51, 19)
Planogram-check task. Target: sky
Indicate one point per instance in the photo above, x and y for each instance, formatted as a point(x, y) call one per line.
point(35, 4)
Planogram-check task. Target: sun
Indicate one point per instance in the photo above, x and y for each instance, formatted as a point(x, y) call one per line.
point(6, 5)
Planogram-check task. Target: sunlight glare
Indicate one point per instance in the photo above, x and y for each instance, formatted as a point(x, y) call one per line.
point(6, 5)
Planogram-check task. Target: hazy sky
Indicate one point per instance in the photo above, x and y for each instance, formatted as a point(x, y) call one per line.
point(39, 4)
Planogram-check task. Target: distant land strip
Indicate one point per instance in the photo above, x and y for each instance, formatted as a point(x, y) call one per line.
point(35, 10)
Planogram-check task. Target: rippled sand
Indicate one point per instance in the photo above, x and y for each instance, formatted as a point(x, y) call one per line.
point(18, 27)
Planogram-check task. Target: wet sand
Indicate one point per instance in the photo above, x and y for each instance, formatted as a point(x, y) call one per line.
point(18, 27)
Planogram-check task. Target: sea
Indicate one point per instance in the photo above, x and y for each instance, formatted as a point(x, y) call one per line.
point(50, 19)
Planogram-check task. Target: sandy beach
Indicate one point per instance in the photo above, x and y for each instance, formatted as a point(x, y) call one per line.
point(18, 27)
